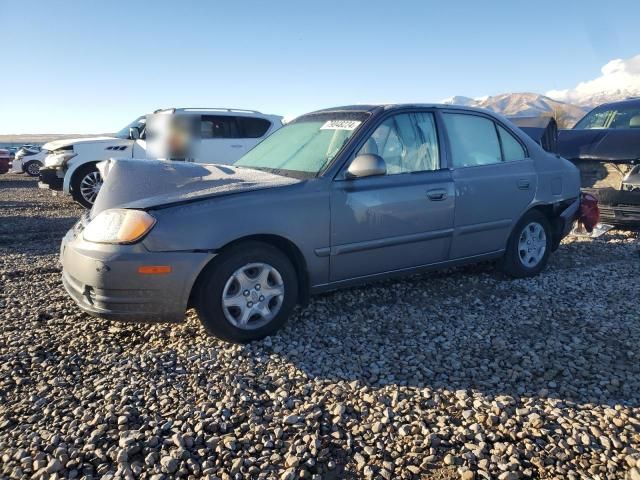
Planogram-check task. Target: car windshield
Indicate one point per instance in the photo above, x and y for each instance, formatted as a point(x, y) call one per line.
point(608, 117)
point(305, 146)
point(124, 133)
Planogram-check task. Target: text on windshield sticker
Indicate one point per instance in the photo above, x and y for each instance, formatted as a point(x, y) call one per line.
point(340, 125)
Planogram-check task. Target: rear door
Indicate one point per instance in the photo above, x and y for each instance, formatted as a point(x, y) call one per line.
point(399, 220)
point(495, 182)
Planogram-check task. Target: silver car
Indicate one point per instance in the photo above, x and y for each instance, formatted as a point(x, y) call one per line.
point(336, 198)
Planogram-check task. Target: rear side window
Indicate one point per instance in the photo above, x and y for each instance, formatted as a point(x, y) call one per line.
point(474, 140)
point(253, 127)
point(511, 148)
point(214, 126)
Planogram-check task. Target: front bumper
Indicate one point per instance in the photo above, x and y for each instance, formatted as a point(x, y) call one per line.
point(104, 280)
point(617, 207)
point(49, 178)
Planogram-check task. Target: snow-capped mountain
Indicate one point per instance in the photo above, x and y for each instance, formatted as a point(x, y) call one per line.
point(522, 105)
point(619, 79)
point(460, 100)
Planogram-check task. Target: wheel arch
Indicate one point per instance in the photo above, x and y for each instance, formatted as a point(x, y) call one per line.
point(552, 212)
point(72, 170)
point(283, 244)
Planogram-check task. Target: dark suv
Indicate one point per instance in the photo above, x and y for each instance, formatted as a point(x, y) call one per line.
point(605, 146)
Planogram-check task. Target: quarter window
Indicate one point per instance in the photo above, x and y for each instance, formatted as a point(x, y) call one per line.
point(407, 142)
point(511, 148)
point(473, 139)
point(253, 127)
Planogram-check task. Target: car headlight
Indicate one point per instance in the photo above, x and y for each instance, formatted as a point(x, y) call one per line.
point(119, 226)
point(57, 159)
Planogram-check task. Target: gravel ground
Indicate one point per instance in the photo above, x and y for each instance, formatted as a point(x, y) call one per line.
point(457, 374)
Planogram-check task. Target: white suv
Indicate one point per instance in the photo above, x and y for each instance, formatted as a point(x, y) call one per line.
point(226, 135)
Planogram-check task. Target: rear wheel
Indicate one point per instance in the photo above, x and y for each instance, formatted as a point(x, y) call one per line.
point(32, 168)
point(86, 184)
point(529, 246)
point(246, 293)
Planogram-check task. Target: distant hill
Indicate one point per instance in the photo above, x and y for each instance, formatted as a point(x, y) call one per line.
point(38, 138)
point(524, 104)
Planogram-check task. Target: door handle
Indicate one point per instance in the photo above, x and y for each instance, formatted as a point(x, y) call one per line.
point(236, 146)
point(523, 184)
point(437, 195)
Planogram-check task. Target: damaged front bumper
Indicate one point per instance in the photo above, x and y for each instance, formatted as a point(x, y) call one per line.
point(50, 178)
point(105, 282)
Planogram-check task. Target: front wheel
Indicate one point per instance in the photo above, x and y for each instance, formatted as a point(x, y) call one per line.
point(86, 184)
point(529, 246)
point(246, 293)
point(32, 168)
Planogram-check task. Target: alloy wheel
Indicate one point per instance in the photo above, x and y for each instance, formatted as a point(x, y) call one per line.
point(33, 169)
point(90, 186)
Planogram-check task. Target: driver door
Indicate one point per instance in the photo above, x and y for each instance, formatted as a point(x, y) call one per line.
point(400, 220)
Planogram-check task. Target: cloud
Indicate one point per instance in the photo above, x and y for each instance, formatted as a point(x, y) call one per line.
point(619, 76)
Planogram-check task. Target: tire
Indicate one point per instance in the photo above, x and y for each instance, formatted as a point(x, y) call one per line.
point(81, 185)
point(529, 246)
point(32, 168)
point(224, 319)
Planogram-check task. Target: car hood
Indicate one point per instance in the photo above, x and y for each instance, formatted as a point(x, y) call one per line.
point(65, 142)
point(613, 145)
point(143, 184)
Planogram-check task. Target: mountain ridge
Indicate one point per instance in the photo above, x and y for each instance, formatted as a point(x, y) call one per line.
point(523, 104)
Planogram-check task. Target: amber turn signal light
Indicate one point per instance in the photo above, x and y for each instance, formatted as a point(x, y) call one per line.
point(154, 269)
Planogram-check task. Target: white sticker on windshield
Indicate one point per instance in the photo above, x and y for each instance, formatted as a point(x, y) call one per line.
point(340, 125)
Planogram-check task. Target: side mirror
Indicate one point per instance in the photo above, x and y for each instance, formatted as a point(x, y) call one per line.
point(134, 133)
point(366, 165)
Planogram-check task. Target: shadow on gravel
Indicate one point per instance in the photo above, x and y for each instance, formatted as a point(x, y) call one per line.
point(14, 183)
point(484, 332)
point(17, 204)
point(18, 233)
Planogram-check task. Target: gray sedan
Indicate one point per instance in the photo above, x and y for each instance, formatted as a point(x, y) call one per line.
point(336, 198)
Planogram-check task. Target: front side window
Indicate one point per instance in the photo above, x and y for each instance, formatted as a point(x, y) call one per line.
point(474, 140)
point(124, 132)
point(305, 146)
point(407, 142)
point(608, 117)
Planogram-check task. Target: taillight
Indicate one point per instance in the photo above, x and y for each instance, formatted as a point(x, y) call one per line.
point(589, 214)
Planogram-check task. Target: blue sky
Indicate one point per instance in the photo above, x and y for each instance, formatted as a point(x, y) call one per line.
point(89, 66)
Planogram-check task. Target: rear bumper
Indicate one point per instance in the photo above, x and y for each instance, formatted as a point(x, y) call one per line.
point(617, 207)
point(49, 179)
point(104, 281)
point(567, 218)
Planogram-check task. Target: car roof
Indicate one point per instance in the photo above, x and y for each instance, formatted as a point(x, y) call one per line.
point(214, 110)
point(395, 106)
point(627, 102)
